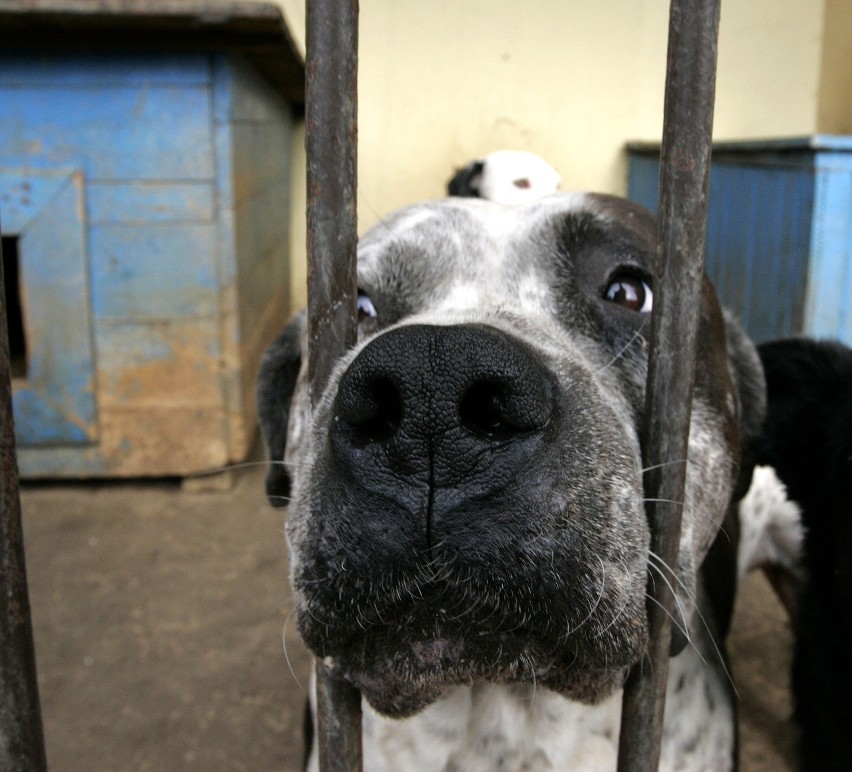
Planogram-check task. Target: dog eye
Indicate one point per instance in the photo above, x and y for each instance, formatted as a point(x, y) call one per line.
point(366, 309)
point(631, 292)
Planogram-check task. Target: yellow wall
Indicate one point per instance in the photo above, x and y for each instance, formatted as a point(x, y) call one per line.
point(443, 81)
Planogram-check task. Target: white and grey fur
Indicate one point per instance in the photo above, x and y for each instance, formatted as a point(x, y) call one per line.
point(508, 177)
point(489, 604)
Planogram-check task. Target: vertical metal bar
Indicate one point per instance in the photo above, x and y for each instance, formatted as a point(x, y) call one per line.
point(21, 736)
point(331, 140)
point(681, 220)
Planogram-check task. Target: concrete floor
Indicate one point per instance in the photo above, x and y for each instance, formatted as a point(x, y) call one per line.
point(158, 617)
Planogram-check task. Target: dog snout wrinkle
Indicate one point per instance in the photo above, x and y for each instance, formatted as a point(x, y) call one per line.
point(438, 404)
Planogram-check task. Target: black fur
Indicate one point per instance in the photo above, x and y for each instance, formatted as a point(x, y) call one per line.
point(466, 181)
point(276, 383)
point(808, 439)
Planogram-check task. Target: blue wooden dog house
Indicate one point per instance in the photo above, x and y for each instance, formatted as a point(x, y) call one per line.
point(144, 198)
point(779, 231)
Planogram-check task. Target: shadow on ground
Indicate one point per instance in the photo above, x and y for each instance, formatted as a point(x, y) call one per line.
point(158, 617)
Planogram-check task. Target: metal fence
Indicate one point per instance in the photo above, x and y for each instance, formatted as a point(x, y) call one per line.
point(688, 120)
point(331, 116)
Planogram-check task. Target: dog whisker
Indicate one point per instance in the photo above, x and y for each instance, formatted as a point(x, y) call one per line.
point(595, 605)
point(233, 467)
point(286, 653)
point(636, 335)
point(661, 465)
point(697, 611)
point(685, 629)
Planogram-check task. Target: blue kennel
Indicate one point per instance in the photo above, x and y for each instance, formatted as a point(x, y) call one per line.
point(144, 199)
point(779, 232)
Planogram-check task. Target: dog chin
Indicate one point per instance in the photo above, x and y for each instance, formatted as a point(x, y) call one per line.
point(404, 681)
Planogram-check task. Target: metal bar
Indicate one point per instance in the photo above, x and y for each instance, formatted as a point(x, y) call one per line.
point(331, 140)
point(681, 220)
point(21, 736)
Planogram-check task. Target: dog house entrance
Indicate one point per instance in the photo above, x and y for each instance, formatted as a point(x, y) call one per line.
point(14, 308)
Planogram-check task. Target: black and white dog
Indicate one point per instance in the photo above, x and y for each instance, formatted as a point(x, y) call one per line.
point(509, 177)
point(797, 519)
point(467, 534)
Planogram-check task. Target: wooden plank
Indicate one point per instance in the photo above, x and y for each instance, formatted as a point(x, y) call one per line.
point(109, 132)
point(138, 443)
point(154, 271)
point(24, 193)
point(111, 203)
point(828, 311)
point(57, 320)
point(38, 422)
point(93, 69)
point(243, 94)
point(154, 364)
point(163, 441)
point(253, 127)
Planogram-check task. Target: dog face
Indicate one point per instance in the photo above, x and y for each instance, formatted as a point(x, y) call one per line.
point(467, 501)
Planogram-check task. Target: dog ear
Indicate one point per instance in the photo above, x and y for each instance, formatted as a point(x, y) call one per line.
point(276, 383)
point(719, 569)
point(751, 392)
point(466, 181)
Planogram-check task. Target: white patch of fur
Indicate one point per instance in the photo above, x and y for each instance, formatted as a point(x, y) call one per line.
point(461, 297)
point(770, 525)
point(512, 177)
point(521, 727)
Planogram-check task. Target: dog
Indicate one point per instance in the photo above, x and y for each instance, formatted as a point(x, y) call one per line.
point(507, 177)
point(802, 498)
point(467, 535)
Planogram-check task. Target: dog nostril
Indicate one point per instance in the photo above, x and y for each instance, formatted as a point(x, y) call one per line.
point(379, 411)
point(485, 410)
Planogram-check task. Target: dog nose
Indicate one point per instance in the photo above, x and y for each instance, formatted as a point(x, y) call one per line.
point(440, 400)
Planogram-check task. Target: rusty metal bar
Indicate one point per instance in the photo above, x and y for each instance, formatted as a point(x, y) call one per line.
point(331, 140)
point(681, 220)
point(21, 736)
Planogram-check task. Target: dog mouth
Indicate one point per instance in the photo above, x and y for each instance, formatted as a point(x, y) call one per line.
point(403, 652)
point(401, 680)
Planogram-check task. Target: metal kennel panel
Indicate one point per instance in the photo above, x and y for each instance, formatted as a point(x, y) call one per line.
point(332, 135)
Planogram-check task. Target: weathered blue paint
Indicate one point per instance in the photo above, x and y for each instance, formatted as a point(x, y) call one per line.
point(57, 401)
point(111, 132)
point(111, 203)
point(153, 270)
point(151, 196)
point(23, 194)
point(779, 233)
point(827, 305)
point(254, 153)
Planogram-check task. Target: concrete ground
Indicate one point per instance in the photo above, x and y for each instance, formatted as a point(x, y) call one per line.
point(158, 617)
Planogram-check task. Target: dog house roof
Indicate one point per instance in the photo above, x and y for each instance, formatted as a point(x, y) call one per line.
point(255, 29)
